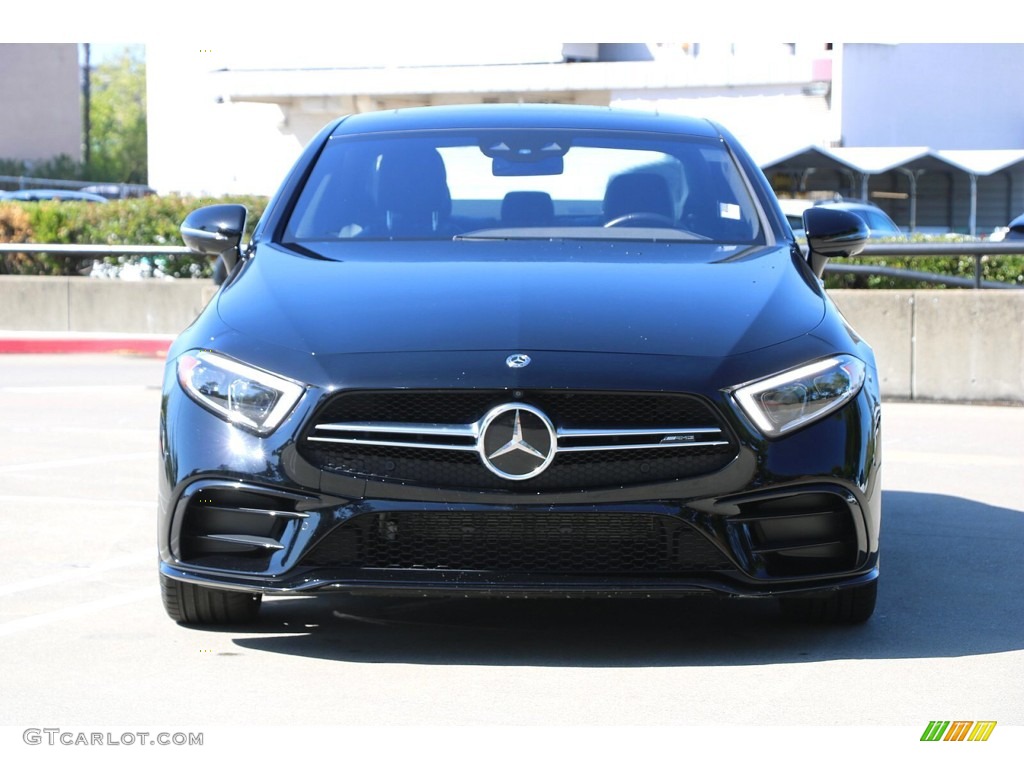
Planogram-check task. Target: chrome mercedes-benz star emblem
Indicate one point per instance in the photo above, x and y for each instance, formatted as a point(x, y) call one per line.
point(517, 361)
point(516, 441)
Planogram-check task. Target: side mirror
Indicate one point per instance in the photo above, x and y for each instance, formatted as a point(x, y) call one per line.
point(833, 233)
point(216, 230)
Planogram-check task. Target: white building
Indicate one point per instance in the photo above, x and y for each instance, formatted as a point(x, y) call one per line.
point(948, 96)
point(40, 104)
point(232, 121)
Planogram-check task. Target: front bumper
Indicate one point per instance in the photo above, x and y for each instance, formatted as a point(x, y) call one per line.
point(495, 585)
point(789, 538)
point(790, 516)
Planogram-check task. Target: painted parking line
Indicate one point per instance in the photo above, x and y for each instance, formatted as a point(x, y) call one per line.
point(78, 462)
point(78, 389)
point(78, 500)
point(958, 459)
point(27, 623)
point(148, 556)
point(150, 345)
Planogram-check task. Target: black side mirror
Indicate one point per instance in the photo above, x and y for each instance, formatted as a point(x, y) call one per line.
point(833, 233)
point(216, 230)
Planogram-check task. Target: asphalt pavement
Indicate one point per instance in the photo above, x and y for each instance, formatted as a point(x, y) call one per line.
point(84, 641)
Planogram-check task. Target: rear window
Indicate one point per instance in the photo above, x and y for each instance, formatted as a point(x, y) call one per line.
point(522, 184)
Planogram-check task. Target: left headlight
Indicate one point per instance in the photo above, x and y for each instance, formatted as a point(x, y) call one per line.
point(795, 398)
point(239, 393)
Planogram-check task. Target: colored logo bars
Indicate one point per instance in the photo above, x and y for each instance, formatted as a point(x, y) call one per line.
point(958, 730)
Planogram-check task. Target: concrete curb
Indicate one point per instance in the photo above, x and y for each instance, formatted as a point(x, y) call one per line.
point(21, 343)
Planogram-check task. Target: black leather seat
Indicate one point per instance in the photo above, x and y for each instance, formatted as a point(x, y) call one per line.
point(638, 193)
point(527, 209)
point(413, 199)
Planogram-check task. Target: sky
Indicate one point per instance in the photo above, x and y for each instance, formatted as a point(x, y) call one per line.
point(100, 53)
point(464, 25)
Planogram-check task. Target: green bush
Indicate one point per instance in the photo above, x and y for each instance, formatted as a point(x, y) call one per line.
point(155, 221)
point(1000, 268)
point(135, 221)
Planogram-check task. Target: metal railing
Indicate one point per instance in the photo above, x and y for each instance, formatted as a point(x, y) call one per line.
point(96, 250)
point(98, 253)
point(976, 250)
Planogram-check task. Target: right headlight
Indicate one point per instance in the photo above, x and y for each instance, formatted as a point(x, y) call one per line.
point(248, 397)
point(795, 398)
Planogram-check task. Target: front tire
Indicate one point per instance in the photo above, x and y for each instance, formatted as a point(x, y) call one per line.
point(191, 604)
point(853, 605)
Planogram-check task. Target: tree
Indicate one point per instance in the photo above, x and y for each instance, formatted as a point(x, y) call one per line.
point(117, 133)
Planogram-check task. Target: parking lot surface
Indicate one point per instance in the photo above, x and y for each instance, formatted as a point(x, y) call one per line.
point(84, 639)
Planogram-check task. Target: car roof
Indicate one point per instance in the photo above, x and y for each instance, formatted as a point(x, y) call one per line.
point(572, 117)
point(849, 205)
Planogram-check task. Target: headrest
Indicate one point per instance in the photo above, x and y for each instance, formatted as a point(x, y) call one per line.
point(412, 189)
point(638, 193)
point(527, 209)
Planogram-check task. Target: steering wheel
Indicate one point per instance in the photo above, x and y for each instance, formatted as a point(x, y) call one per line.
point(641, 219)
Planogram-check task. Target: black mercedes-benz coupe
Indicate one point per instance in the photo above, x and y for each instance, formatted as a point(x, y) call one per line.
point(520, 350)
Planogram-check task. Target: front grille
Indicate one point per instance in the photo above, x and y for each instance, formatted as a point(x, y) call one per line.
point(584, 543)
point(574, 409)
point(428, 438)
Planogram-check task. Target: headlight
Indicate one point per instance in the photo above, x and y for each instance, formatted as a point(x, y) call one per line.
point(793, 399)
point(237, 392)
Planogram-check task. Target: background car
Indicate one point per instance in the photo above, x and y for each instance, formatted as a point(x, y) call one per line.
point(35, 195)
point(520, 350)
point(878, 221)
point(119, 191)
point(793, 209)
point(1014, 231)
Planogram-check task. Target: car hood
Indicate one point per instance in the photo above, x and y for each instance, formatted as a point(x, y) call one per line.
point(693, 299)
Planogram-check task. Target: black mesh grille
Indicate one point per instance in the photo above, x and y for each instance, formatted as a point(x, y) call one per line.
point(520, 542)
point(569, 471)
point(568, 409)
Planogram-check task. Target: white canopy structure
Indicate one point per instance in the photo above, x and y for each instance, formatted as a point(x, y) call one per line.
point(921, 188)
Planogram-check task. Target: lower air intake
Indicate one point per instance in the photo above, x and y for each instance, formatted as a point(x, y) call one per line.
point(514, 542)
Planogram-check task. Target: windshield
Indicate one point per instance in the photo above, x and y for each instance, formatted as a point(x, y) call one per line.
point(504, 184)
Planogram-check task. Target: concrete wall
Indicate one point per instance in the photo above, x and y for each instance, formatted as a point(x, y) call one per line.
point(81, 304)
point(930, 344)
point(943, 344)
